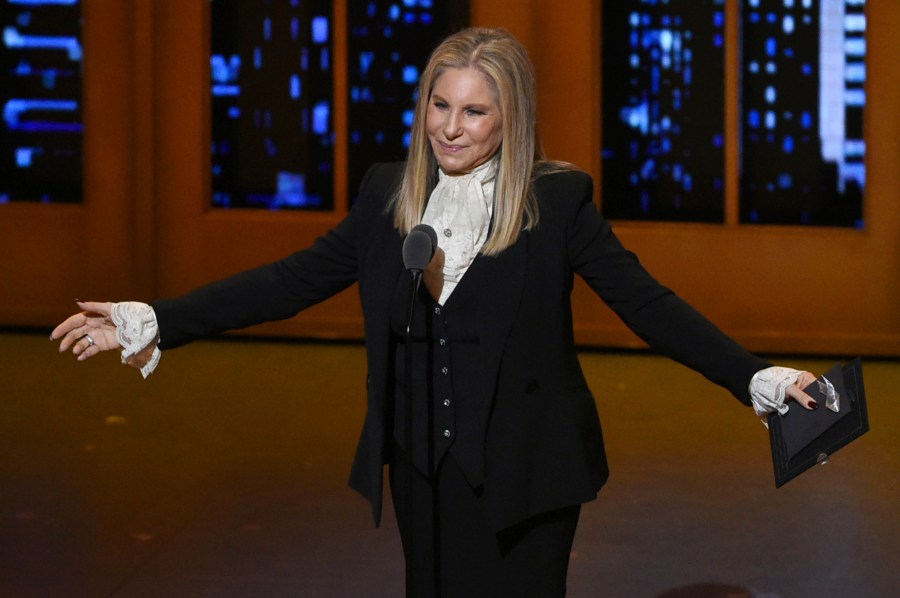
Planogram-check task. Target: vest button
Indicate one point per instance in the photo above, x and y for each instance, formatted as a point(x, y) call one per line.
point(446, 402)
point(444, 370)
point(446, 433)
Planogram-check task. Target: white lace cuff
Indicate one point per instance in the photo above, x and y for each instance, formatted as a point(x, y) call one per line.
point(136, 328)
point(767, 389)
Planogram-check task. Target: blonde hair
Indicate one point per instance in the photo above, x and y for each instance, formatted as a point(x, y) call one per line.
point(505, 64)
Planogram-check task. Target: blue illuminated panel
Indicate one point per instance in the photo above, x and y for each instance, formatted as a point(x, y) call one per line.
point(663, 110)
point(389, 45)
point(272, 101)
point(40, 92)
point(803, 78)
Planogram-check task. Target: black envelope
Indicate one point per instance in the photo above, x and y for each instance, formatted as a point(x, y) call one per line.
point(802, 438)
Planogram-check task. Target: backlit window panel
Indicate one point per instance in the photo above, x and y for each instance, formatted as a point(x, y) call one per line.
point(272, 90)
point(41, 96)
point(663, 110)
point(389, 45)
point(802, 101)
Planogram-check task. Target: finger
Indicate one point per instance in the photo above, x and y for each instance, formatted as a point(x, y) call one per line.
point(71, 338)
point(73, 321)
point(80, 345)
point(97, 307)
point(88, 351)
point(805, 379)
point(801, 397)
point(86, 346)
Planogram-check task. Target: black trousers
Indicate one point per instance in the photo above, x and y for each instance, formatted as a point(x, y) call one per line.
point(529, 559)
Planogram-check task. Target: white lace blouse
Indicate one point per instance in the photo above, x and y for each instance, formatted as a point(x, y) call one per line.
point(460, 210)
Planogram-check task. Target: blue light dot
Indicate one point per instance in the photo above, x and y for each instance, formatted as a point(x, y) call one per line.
point(785, 181)
point(753, 119)
point(788, 145)
point(788, 24)
point(320, 30)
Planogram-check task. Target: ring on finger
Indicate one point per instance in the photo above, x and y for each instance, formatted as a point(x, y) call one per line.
point(90, 340)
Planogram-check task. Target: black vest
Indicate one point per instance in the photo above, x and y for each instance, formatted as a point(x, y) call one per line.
point(445, 366)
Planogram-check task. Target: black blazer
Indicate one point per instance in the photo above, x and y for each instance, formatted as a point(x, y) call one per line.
point(543, 447)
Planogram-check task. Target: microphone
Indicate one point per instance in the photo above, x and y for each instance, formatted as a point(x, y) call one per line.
point(419, 247)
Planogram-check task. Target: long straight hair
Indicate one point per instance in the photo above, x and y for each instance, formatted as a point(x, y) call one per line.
point(505, 64)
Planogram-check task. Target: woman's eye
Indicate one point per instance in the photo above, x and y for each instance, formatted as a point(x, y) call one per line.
point(440, 105)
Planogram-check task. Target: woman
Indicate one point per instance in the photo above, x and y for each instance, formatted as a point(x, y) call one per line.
point(506, 441)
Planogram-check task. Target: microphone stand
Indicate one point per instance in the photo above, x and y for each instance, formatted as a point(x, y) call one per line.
point(408, 426)
point(418, 249)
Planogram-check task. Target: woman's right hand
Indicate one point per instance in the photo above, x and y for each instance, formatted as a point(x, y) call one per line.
point(89, 332)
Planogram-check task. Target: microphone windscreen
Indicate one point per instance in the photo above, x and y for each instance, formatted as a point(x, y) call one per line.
point(418, 247)
point(428, 231)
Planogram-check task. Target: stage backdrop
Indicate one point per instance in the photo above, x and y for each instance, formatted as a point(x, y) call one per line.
point(146, 226)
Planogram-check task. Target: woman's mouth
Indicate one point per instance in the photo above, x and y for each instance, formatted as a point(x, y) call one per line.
point(451, 149)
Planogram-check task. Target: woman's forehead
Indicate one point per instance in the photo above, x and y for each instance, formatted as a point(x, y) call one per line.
point(464, 80)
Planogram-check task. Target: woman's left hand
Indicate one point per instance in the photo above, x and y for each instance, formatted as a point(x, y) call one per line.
point(771, 389)
point(795, 391)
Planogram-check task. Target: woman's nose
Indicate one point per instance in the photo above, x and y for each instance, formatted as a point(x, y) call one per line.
point(452, 128)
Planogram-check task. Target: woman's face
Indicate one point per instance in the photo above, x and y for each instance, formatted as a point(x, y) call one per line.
point(463, 120)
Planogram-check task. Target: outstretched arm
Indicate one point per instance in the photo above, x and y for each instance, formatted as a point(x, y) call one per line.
point(666, 322)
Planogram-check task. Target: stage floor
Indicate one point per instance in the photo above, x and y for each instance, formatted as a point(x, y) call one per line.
point(224, 474)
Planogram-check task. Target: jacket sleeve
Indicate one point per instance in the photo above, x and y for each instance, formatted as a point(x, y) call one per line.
point(273, 291)
point(653, 312)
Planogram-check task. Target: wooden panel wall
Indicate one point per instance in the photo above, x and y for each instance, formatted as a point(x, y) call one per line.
point(786, 289)
point(774, 288)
